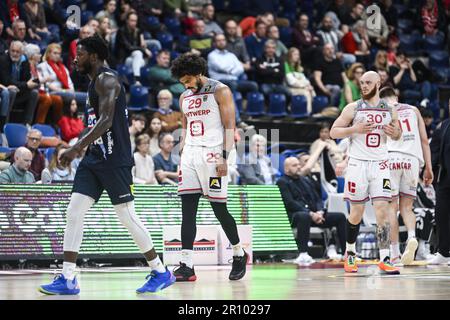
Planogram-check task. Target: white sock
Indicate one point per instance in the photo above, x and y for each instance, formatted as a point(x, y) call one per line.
point(411, 233)
point(157, 265)
point(351, 247)
point(186, 257)
point(237, 250)
point(69, 270)
point(395, 250)
point(383, 254)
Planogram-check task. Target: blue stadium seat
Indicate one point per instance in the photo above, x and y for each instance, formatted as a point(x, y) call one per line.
point(138, 98)
point(255, 104)
point(438, 59)
point(153, 22)
point(299, 107)
point(173, 55)
point(94, 5)
point(5, 150)
point(173, 25)
point(408, 43)
point(433, 43)
point(47, 131)
point(67, 3)
point(319, 103)
point(286, 36)
point(85, 16)
point(49, 153)
point(405, 25)
point(145, 71)
point(277, 105)
point(166, 40)
point(16, 134)
point(125, 73)
point(237, 97)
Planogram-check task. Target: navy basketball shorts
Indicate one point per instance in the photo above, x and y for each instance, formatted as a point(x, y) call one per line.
point(91, 181)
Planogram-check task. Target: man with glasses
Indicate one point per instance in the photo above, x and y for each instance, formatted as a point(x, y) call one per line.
point(32, 143)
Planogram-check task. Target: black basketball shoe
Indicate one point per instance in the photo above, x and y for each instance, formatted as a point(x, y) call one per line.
point(239, 267)
point(184, 273)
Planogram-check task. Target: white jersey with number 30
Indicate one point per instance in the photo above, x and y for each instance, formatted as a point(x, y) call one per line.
point(372, 145)
point(409, 143)
point(204, 123)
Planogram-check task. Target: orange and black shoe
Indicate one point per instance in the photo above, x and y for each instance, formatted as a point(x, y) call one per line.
point(184, 273)
point(387, 267)
point(350, 263)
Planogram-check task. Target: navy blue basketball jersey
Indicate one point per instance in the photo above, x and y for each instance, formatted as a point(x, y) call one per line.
point(113, 148)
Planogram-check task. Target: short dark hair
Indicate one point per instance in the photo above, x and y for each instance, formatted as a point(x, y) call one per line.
point(387, 92)
point(258, 22)
point(130, 13)
point(164, 51)
point(325, 125)
point(188, 64)
point(138, 117)
point(162, 136)
point(426, 113)
point(95, 44)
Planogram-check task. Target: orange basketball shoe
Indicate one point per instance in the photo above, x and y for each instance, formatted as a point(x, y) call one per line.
point(350, 263)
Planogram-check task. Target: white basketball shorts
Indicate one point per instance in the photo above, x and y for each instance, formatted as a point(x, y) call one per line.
point(404, 174)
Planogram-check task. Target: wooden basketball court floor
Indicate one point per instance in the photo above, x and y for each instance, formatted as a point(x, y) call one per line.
point(262, 282)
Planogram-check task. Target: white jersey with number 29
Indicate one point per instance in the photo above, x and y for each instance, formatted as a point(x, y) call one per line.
point(204, 123)
point(372, 145)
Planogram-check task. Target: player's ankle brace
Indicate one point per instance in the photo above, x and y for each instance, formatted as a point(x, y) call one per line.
point(352, 232)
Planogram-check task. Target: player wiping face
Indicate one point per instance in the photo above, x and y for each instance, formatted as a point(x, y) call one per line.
point(192, 83)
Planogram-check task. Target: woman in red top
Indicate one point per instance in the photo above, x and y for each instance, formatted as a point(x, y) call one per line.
point(71, 126)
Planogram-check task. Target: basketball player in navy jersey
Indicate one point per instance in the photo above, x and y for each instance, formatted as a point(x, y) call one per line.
point(106, 166)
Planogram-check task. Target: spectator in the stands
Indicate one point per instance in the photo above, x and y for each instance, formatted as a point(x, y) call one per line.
point(341, 9)
point(144, 168)
point(386, 80)
point(333, 37)
point(137, 126)
point(354, 15)
point(109, 11)
point(146, 9)
point(236, 44)
point(7, 97)
point(176, 8)
point(35, 12)
point(165, 169)
point(56, 172)
point(378, 35)
point(196, 7)
point(93, 23)
point(351, 90)
point(257, 167)
point(19, 172)
point(329, 76)
point(199, 43)
point(160, 76)
point(305, 41)
point(274, 33)
point(405, 79)
point(297, 82)
point(431, 17)
point(46, 101)
point(324, 135)
point(3, 43)
point(248, 25)
point(70, 123)
point(15, 74)
point(154, 131)
point(211, 26)
point(20, 32)
point(225, 67)
point(389, 12)
point(303, 201)
point(255, 42)
point(34, 138)
point(13, 11)
point(57, 76)
point(270, 72)
point(107, 34)
point(428, 117)
point(356, 41)
point(131, 47)
point(381, 61)
point(125, 9)
point(393, 45)
point(85, 32)
point(170, 120)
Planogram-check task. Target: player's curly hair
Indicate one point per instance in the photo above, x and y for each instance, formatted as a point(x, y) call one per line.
point(188, 64)
point(95, 44)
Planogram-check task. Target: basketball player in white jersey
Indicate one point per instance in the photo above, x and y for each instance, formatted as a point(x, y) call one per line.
point(207, 139)
point(368, 122)
point(406, 156)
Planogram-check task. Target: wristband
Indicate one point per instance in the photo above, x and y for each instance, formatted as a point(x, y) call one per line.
point(225, 154)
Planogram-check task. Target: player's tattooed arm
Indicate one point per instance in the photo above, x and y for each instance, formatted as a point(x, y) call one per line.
point(383, 233)
point(108, 88)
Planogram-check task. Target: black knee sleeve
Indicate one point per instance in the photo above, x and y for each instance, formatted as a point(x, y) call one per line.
point(352, 232)
point(189, 206)
point(227, 221)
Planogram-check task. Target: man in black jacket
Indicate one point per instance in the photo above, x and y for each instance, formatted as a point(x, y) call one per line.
point(440, 158)
point(15, 74)
point(305, 209)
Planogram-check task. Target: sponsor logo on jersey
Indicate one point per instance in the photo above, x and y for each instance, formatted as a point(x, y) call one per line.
point(386, 184)
point(215, 183)
point(351, 187)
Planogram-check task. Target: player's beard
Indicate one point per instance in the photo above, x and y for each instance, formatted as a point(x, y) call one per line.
point(371, 93)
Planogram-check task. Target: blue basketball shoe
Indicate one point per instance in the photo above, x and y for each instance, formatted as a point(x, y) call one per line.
point(157, 281)
point(61, 286)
